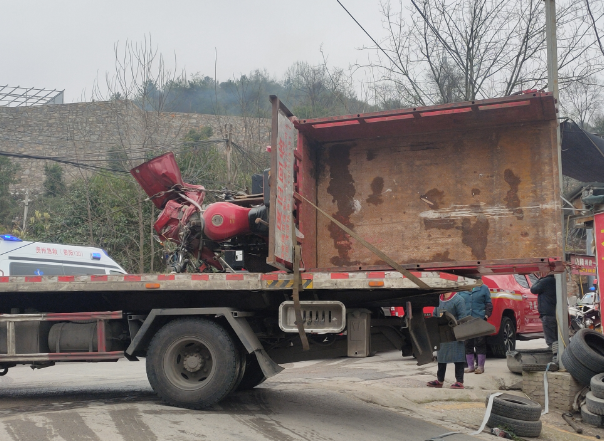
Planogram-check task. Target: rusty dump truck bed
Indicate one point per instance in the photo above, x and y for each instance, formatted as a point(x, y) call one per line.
point(469, 187)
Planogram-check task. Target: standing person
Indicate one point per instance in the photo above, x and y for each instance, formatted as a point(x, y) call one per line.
point(479, 305)
point(545, 288)
point(451, 352)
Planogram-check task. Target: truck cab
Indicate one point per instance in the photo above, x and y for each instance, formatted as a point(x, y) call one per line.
point(25, 258)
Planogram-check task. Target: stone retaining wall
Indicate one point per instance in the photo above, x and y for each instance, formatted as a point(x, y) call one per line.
point(85, 132)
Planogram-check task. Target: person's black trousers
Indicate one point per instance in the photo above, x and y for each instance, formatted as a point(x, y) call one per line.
point(550, 329)
point(442, 368)
point(480, 343)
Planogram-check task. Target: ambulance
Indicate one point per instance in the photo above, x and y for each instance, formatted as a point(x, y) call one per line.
point(24, 258)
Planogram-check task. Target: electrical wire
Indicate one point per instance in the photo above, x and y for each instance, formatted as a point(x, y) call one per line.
point(372, 39)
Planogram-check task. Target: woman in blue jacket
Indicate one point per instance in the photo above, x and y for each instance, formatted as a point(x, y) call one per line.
point(479, 305)
point(451, 352)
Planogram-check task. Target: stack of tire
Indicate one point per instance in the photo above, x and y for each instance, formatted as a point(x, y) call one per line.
point(516, 414)
point(584, 356)
point(592, 412)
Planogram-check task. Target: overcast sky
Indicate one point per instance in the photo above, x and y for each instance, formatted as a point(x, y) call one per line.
point(64, 44)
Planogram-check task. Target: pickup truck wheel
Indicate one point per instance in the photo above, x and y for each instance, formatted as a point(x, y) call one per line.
point(253, 375)
point(193, 363)
point(505, 340)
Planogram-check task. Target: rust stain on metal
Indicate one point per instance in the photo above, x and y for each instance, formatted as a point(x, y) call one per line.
point(441, 224)
point(441, 257)
point(434, 198)
point(377, 186)
point(475, 191)
point(371, 155)
point(475, 235)
point(341, 188)
point(512, 200)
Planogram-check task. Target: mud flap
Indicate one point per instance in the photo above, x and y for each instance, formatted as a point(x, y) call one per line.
point(268, 366)
point(420, 337)
point(472, 327)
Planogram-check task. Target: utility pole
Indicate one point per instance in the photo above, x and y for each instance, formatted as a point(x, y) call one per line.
point(229, 147)
point(25, 208)
point(552, 86)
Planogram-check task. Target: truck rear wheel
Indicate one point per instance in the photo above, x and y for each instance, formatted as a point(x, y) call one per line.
point(505, 340)
point(253, 374)
point(193, 363)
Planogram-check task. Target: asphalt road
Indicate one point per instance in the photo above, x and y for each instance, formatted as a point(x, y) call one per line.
point(114, 402)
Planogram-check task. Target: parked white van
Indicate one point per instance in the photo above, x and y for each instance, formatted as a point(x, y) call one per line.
point(23, 258)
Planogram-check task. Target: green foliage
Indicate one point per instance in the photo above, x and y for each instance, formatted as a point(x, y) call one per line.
point(54, 184)
point(9, 206)
point(310, 91)
point(106, 209)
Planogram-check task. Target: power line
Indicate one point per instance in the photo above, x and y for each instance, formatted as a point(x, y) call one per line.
point(60, 160)
point(372, 39)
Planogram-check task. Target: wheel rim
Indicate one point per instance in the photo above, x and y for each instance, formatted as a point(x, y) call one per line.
point(508, 337)
point(188, 363)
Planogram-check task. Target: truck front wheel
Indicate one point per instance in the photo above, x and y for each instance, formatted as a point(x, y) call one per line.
point(193, 363)
point(505, 340)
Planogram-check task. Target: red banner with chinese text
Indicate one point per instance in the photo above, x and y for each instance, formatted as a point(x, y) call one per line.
point(583, 265)
point(599, 238)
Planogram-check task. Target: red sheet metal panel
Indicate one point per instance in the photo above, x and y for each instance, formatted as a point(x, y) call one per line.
point(467, 115)
point(282, 187)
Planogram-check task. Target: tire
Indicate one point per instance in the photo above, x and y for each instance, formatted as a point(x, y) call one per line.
point(579, 372)
point(253, 375)
point(588, 346)
point(505, 340)
point(518, 408)
point(242, 368)
point(591, 418)
point(531, 429)
point(594, 405)
point(538, 367)
point(178, 358)
point(597, 385)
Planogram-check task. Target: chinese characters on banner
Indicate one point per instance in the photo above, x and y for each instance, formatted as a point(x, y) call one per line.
point(599, 238)
point(583, 265)
point(284, 189)
point(58, 252)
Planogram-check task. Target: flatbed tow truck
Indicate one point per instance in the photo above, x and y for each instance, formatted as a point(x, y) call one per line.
point(365, 212)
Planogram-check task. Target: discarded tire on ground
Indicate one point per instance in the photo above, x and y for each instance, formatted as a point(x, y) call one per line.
point(594, 404)
point(588, 347)
point(591, 418)
point(519, 408)
point(579, 371)
point(519, 358)
point(537, 367)
point(520, 428)
point(597, 385)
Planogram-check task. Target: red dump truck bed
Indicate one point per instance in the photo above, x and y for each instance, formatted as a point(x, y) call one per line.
point(470, 187)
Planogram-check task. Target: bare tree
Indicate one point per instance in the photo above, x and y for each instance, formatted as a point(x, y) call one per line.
point(138, 93)
point(440, 51)
point(581, 101)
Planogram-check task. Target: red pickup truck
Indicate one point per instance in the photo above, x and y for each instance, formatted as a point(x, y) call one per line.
point(515, 314)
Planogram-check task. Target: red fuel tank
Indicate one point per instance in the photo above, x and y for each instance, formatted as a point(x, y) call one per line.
point(224, 220)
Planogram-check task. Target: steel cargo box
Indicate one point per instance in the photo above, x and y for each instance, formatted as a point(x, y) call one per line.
point(471, 187)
